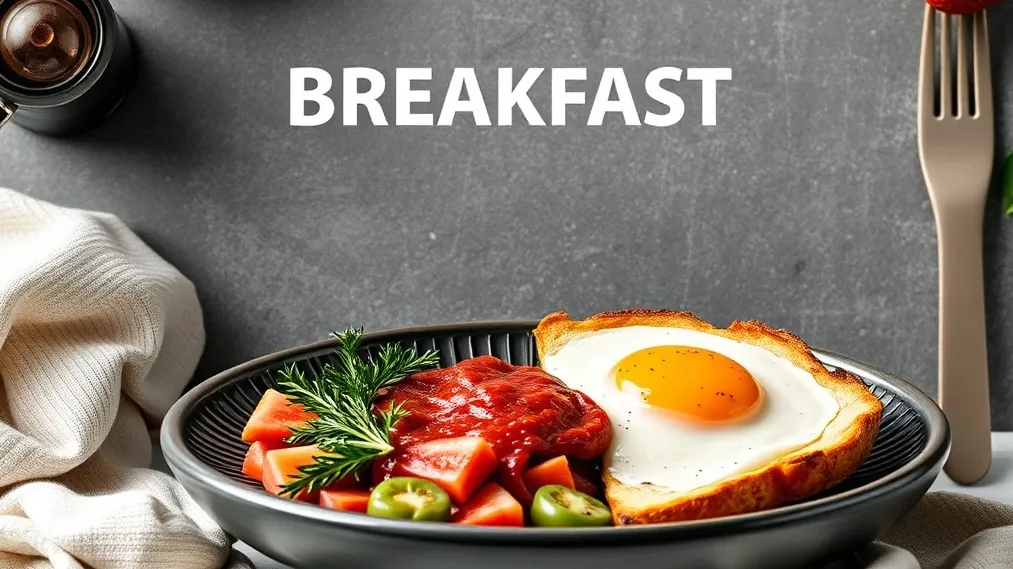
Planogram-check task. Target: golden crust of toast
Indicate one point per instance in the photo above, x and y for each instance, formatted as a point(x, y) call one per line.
point(827, 461)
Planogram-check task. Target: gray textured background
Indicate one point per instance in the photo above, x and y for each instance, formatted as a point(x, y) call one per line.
point(804, 207)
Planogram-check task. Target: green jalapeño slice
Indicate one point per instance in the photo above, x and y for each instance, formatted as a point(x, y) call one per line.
point(559, 506)
point(405, 498)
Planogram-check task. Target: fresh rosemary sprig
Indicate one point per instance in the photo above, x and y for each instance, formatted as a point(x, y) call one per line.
point(346, 429)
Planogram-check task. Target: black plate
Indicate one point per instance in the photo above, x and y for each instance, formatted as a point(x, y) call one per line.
point(202, 445)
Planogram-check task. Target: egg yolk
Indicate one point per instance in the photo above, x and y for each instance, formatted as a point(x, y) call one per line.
point(697, 383)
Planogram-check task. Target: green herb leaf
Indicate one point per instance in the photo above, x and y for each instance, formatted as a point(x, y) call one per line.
point(1007, 185)
point(346, 429)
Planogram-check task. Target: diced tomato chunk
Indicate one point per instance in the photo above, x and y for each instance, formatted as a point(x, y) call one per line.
point(281, 466)
point(347, 500)
point(459, 465)
point(274, 419)
point(492, 505)
point(253, 465)
point(552, 471)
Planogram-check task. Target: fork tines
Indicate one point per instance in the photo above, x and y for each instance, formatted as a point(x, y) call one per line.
point(972, 83)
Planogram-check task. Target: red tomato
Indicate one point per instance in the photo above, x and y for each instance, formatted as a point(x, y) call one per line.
point(552, 471)
point(253, 465)
point(282, 465)
point(347, 500)
point(490, 506)
point(274, 418)
point(459, 465)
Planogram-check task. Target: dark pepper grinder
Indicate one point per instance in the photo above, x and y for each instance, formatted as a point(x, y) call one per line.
point(65, 65)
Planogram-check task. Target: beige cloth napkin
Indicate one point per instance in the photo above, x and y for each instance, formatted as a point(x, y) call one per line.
point(947, 531)
point(98, 337)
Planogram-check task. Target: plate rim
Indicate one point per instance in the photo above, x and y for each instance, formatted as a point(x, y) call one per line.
point(181, 461)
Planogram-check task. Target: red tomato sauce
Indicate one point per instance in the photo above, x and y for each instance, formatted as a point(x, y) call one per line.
point(521, 411)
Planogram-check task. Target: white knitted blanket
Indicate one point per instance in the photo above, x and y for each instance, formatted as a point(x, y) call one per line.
point(98, 337)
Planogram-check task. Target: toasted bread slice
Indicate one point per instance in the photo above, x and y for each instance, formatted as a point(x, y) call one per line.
point(827, 461)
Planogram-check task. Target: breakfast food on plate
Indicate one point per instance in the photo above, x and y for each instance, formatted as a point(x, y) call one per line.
point(961, 6)
point(471, 444)
point(517, 412)
point(633, 417)
point(709, 422)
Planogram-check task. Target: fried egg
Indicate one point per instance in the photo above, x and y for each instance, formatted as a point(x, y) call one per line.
point(688, 408)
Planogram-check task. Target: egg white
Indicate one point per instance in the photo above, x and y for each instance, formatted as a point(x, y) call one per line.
point(653, 446)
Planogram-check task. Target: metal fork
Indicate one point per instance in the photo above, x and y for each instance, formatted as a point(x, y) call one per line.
point(956, 145)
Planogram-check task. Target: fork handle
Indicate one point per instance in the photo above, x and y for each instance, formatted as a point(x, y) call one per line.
point(963, 357)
